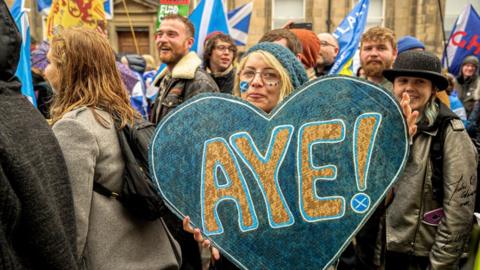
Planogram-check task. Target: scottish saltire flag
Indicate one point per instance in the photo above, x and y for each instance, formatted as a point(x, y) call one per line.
point(207, 17)
point(24, 72)
point(464, 40)
point(138, 97)
point(239, 22)
point(348, 34)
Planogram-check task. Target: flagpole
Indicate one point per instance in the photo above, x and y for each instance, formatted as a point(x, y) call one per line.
point(329, 15)
point(131, 27)
point(445, 44)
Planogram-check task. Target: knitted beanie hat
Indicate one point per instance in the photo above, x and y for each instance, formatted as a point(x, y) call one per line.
point(294, 68)
point(407, 43)
point(471, 59)
point(310, 44)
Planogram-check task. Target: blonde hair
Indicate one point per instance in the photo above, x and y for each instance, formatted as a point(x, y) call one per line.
point(88, 76)
point(286, 84)
point(150, 61)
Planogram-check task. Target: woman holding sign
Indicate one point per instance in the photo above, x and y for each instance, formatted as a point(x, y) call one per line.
point(266, 75)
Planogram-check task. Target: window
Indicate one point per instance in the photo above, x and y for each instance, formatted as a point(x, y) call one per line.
point(376, 13)
point(285, 10)
point(453, 8)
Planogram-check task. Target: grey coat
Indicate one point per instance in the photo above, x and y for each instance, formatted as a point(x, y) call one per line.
point(107, 236)
point(407, 232)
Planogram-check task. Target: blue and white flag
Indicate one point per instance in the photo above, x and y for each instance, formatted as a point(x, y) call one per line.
point(209, 16)
point(239, 22)
point(43, 6)
point(108, 7)
point(464, 40)
point(24, 71)
point(138, 97)
point(348, 34)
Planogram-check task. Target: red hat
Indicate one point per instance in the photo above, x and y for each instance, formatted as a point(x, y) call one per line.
point(212, 34)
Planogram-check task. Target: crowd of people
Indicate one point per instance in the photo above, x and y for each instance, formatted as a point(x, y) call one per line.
point(52, 217)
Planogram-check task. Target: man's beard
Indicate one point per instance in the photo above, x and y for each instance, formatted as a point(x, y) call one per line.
point(174, 58)
point(376, 68)
point(323, 62)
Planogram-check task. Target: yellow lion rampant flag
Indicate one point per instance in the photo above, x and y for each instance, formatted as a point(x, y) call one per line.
point(71, 13)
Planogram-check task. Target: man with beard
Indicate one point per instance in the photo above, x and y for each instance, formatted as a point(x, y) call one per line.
point(328, 53)
point(183, 78)
point(378, 50)
point(220, 52)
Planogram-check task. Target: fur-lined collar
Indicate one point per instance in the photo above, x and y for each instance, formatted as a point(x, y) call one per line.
point(185, 68)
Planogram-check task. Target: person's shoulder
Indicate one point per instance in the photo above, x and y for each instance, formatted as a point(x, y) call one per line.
point(83, 117)
point(201, 74)
point(457, 125)
point(203, 79)
point(76, 113)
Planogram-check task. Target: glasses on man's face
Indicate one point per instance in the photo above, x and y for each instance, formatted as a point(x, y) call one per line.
point(268, 76)
point(326, 43)
point(223, 48)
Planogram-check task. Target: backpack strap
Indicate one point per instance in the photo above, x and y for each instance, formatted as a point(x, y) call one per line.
point(436, 156)
point(99, 188)
point(102, 190)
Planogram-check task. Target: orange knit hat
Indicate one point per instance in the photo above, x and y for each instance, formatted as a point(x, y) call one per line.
point(311, 46)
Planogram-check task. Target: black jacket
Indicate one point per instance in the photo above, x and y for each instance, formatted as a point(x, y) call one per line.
point(187, 79)
point(225, 81)
point(37, 223)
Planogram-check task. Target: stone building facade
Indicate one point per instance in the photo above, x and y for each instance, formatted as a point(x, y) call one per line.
point(420, 18)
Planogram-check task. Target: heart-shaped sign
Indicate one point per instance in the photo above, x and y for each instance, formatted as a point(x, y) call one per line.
point(285, 190)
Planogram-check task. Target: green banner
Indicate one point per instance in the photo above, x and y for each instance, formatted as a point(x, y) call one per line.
point(164, 10)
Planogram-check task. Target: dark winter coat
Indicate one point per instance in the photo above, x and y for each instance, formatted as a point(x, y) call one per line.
point(186, 80)
point(225, 80)
point(37, 222)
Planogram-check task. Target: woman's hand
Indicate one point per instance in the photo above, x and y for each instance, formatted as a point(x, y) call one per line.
point(410, 116)
point(197, 235)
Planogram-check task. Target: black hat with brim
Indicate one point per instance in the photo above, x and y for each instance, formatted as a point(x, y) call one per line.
point(418, 64)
